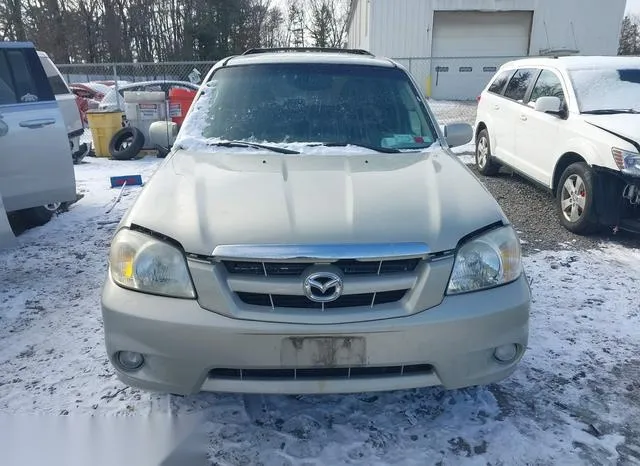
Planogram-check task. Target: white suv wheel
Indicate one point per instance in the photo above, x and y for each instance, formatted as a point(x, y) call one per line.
point(484, 161)
point(573, 198)
point(483, 152)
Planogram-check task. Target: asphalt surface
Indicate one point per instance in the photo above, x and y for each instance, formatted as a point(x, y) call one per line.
point(532, 211)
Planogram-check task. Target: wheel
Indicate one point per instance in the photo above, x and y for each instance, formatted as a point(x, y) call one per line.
point(574, 199)
point(38, 216)
point(126, 143)
point(484, 160)
point(53, 207)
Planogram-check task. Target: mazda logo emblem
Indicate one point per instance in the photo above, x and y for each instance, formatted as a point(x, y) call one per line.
point(323, 287)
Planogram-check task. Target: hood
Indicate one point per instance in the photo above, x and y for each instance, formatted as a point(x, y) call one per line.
point(208, 199)
point(624, 125)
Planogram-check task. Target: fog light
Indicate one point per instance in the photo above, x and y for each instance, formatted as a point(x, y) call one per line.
point(129, 360)
point(506, 353)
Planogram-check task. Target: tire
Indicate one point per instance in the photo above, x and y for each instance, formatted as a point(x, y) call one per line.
point(37, 216)
point(126, 143)
point(485, 162)
point(574, 199)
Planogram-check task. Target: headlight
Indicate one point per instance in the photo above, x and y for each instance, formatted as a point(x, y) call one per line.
point(143, 263)
point(628, 162)
point(486, 261)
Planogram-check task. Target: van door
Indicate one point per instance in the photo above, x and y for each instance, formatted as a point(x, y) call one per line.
point(537, 133)
point(35, 162)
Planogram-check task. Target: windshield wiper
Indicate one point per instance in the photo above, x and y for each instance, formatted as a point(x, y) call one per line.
point(279, 150)
point(611, 111)
point(384, 150)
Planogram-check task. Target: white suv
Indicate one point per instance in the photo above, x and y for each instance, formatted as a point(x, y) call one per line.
point(572, 125)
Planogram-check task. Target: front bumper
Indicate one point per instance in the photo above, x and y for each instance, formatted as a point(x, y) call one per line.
point(182, 343)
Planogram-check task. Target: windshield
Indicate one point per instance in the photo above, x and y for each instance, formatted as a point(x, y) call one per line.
point(332, 104)
point(607, 89)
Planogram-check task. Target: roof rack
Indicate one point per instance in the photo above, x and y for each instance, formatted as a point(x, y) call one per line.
point(308, 49)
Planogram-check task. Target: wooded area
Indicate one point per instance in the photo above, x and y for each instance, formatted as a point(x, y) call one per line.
point(94, 31)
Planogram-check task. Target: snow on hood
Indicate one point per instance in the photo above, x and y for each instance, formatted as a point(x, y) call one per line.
point(624, 124)
point(205, 199)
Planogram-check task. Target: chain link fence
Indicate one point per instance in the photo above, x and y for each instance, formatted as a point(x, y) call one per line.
point(135, 72)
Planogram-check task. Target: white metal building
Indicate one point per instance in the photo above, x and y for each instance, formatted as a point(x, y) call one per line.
point(453, 47)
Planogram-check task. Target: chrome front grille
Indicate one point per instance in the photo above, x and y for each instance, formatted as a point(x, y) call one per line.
point(290, 277)
point(347, 267)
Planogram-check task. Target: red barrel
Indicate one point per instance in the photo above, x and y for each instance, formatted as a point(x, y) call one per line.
point(180, 101)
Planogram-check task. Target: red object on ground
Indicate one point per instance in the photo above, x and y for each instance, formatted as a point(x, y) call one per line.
point(83, 106)
point(180, 101)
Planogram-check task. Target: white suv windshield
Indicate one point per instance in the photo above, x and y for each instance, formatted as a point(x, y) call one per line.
point(607, 89)
point(313, 103)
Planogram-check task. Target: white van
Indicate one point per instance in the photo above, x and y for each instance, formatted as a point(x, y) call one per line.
point(69, 107)
point(36, 170)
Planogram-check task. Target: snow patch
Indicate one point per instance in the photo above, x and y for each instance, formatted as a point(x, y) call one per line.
point(572, 400)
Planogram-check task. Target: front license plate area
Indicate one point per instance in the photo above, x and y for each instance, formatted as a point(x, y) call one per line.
point(323, 352)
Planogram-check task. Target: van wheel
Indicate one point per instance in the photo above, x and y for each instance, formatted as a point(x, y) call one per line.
point(38, 216)
point(484, 160)
point(126, 143)
point(574, 199)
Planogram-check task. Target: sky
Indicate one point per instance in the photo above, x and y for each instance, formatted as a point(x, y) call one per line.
point(633, 6)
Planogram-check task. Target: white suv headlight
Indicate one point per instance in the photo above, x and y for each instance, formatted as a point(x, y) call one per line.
point(627, 162)
point(142, 263)
point(486, 261)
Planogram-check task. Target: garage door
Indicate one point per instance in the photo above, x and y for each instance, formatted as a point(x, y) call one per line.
point(468, 46)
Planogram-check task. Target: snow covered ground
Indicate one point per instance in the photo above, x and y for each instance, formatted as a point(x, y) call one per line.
point(575, 398)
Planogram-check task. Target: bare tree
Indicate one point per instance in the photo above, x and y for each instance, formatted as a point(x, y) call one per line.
point(327, 24)
point(159, 30)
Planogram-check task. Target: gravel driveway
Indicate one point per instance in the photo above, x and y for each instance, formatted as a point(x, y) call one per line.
point(528, 206)
point(532, 211)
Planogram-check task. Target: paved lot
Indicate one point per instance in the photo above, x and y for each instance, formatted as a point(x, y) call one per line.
point(454, 112)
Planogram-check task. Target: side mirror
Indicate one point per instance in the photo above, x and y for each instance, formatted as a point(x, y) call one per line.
point(458, 134)
point(550, 104)
point(163, 134)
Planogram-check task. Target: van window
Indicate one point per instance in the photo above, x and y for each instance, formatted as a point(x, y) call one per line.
point(22, 78)
point(548, 85)
point(501, 80)
point(58, 86)
point(7, 94)
point(517, 87)
point(25, 86)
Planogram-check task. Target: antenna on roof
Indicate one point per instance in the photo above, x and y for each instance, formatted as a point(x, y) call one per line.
point(546, 32)
point(573, 31)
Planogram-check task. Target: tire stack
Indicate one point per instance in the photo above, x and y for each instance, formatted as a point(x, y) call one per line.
point(126, 144)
